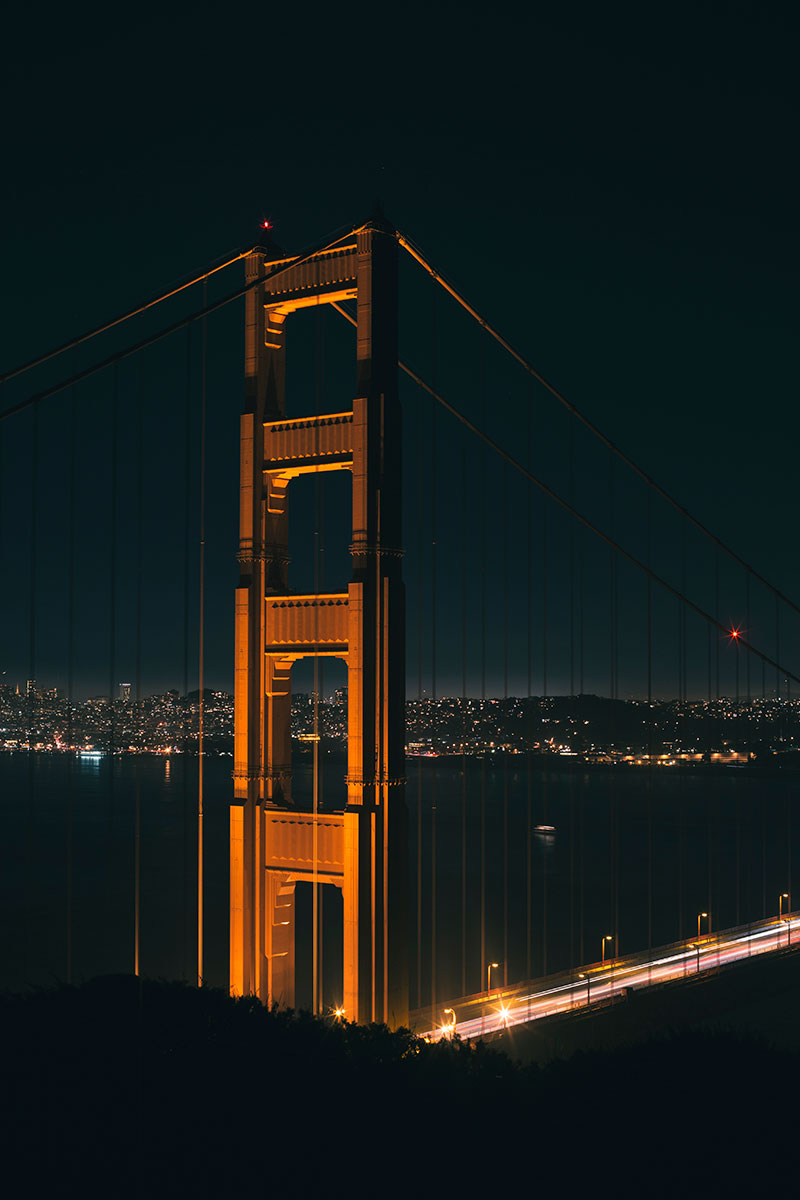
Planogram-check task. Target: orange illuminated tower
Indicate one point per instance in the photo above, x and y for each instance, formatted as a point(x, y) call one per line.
point(362, 848)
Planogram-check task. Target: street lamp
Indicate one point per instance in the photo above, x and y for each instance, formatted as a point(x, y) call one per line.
point(491, 967)
point(702, 917)
point(785, 896)
point(608, 938)
point(449, 1027)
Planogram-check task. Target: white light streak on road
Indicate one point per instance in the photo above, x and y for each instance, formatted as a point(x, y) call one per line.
point(516, 1006)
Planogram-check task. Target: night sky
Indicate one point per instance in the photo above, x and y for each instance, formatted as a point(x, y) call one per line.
point(614, 187)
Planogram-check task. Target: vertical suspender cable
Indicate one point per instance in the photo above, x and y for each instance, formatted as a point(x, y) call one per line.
point(749, 857)
point(544, 697)
point(185, 729)
point(616, 814)
point(320, 771)
point(581, 596)
point(788, 805)
point(315, 786)
point(112, 624)
point(545, 606)
point(747, 625)
point(650, 747)
point(2, 548)
point(581, 796)
point(484, 490)
point(316, 921)
point(571, 494)
point(70, 675)
point(529, 736)
point(716, 615)
point(31, 686)
point(137, 849)
point(709, 717)
point(137, 837)
point(682, 623)
point(612, 875)
point(201, 643)
point(777, 647)
point(506, 722)
point(738, 800)
point(763, 816)
point(787, 736)
point(464, 554)
point(571, 498)
point(612, 583)
point(420, 475)
point(683, 692)
point(434, 412)
point(711, 793)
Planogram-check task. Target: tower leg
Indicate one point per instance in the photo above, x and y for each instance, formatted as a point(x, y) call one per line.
point(238, 901)
point(350, 997)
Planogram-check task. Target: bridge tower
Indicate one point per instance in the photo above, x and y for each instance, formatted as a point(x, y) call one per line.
point(361, 849)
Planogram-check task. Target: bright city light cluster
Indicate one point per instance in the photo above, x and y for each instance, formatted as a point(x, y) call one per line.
point(585, 729)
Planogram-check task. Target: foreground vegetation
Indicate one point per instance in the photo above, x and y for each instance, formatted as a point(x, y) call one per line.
point(124, 1087)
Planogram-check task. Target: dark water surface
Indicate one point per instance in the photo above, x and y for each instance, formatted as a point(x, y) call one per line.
point(633, 855)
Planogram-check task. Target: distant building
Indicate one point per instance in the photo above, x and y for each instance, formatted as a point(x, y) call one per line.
point(125, 693)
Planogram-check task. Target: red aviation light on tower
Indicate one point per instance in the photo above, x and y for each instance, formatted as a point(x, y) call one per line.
point(265, 224)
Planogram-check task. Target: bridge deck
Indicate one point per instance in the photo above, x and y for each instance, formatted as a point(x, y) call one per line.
point(490, 1012)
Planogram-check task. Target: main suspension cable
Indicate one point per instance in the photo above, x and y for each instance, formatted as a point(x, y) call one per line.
point(609, 541)
point(604, 537)
point(417, 255)
point(201, 645)
point(134, 312)
point(152, 339)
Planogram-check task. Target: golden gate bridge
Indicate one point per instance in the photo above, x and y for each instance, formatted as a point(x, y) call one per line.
point(541, 562)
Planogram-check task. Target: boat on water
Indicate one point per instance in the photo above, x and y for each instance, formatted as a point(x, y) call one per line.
point(546, 830)
point(91, 755)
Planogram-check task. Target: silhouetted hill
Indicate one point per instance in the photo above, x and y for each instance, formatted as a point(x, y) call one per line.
point(132, 1088)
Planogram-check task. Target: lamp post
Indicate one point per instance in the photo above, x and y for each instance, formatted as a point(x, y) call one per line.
point(608, 938)
point(449, 1028)
point(702, 917)
point(785, 896)
point(488, 990)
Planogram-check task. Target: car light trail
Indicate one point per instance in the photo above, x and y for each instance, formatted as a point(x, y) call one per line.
point(602, 981)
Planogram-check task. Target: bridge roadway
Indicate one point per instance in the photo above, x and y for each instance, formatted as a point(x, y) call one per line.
point(490, 1012)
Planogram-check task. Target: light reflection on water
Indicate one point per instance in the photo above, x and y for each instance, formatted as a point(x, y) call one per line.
point(725, 840)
